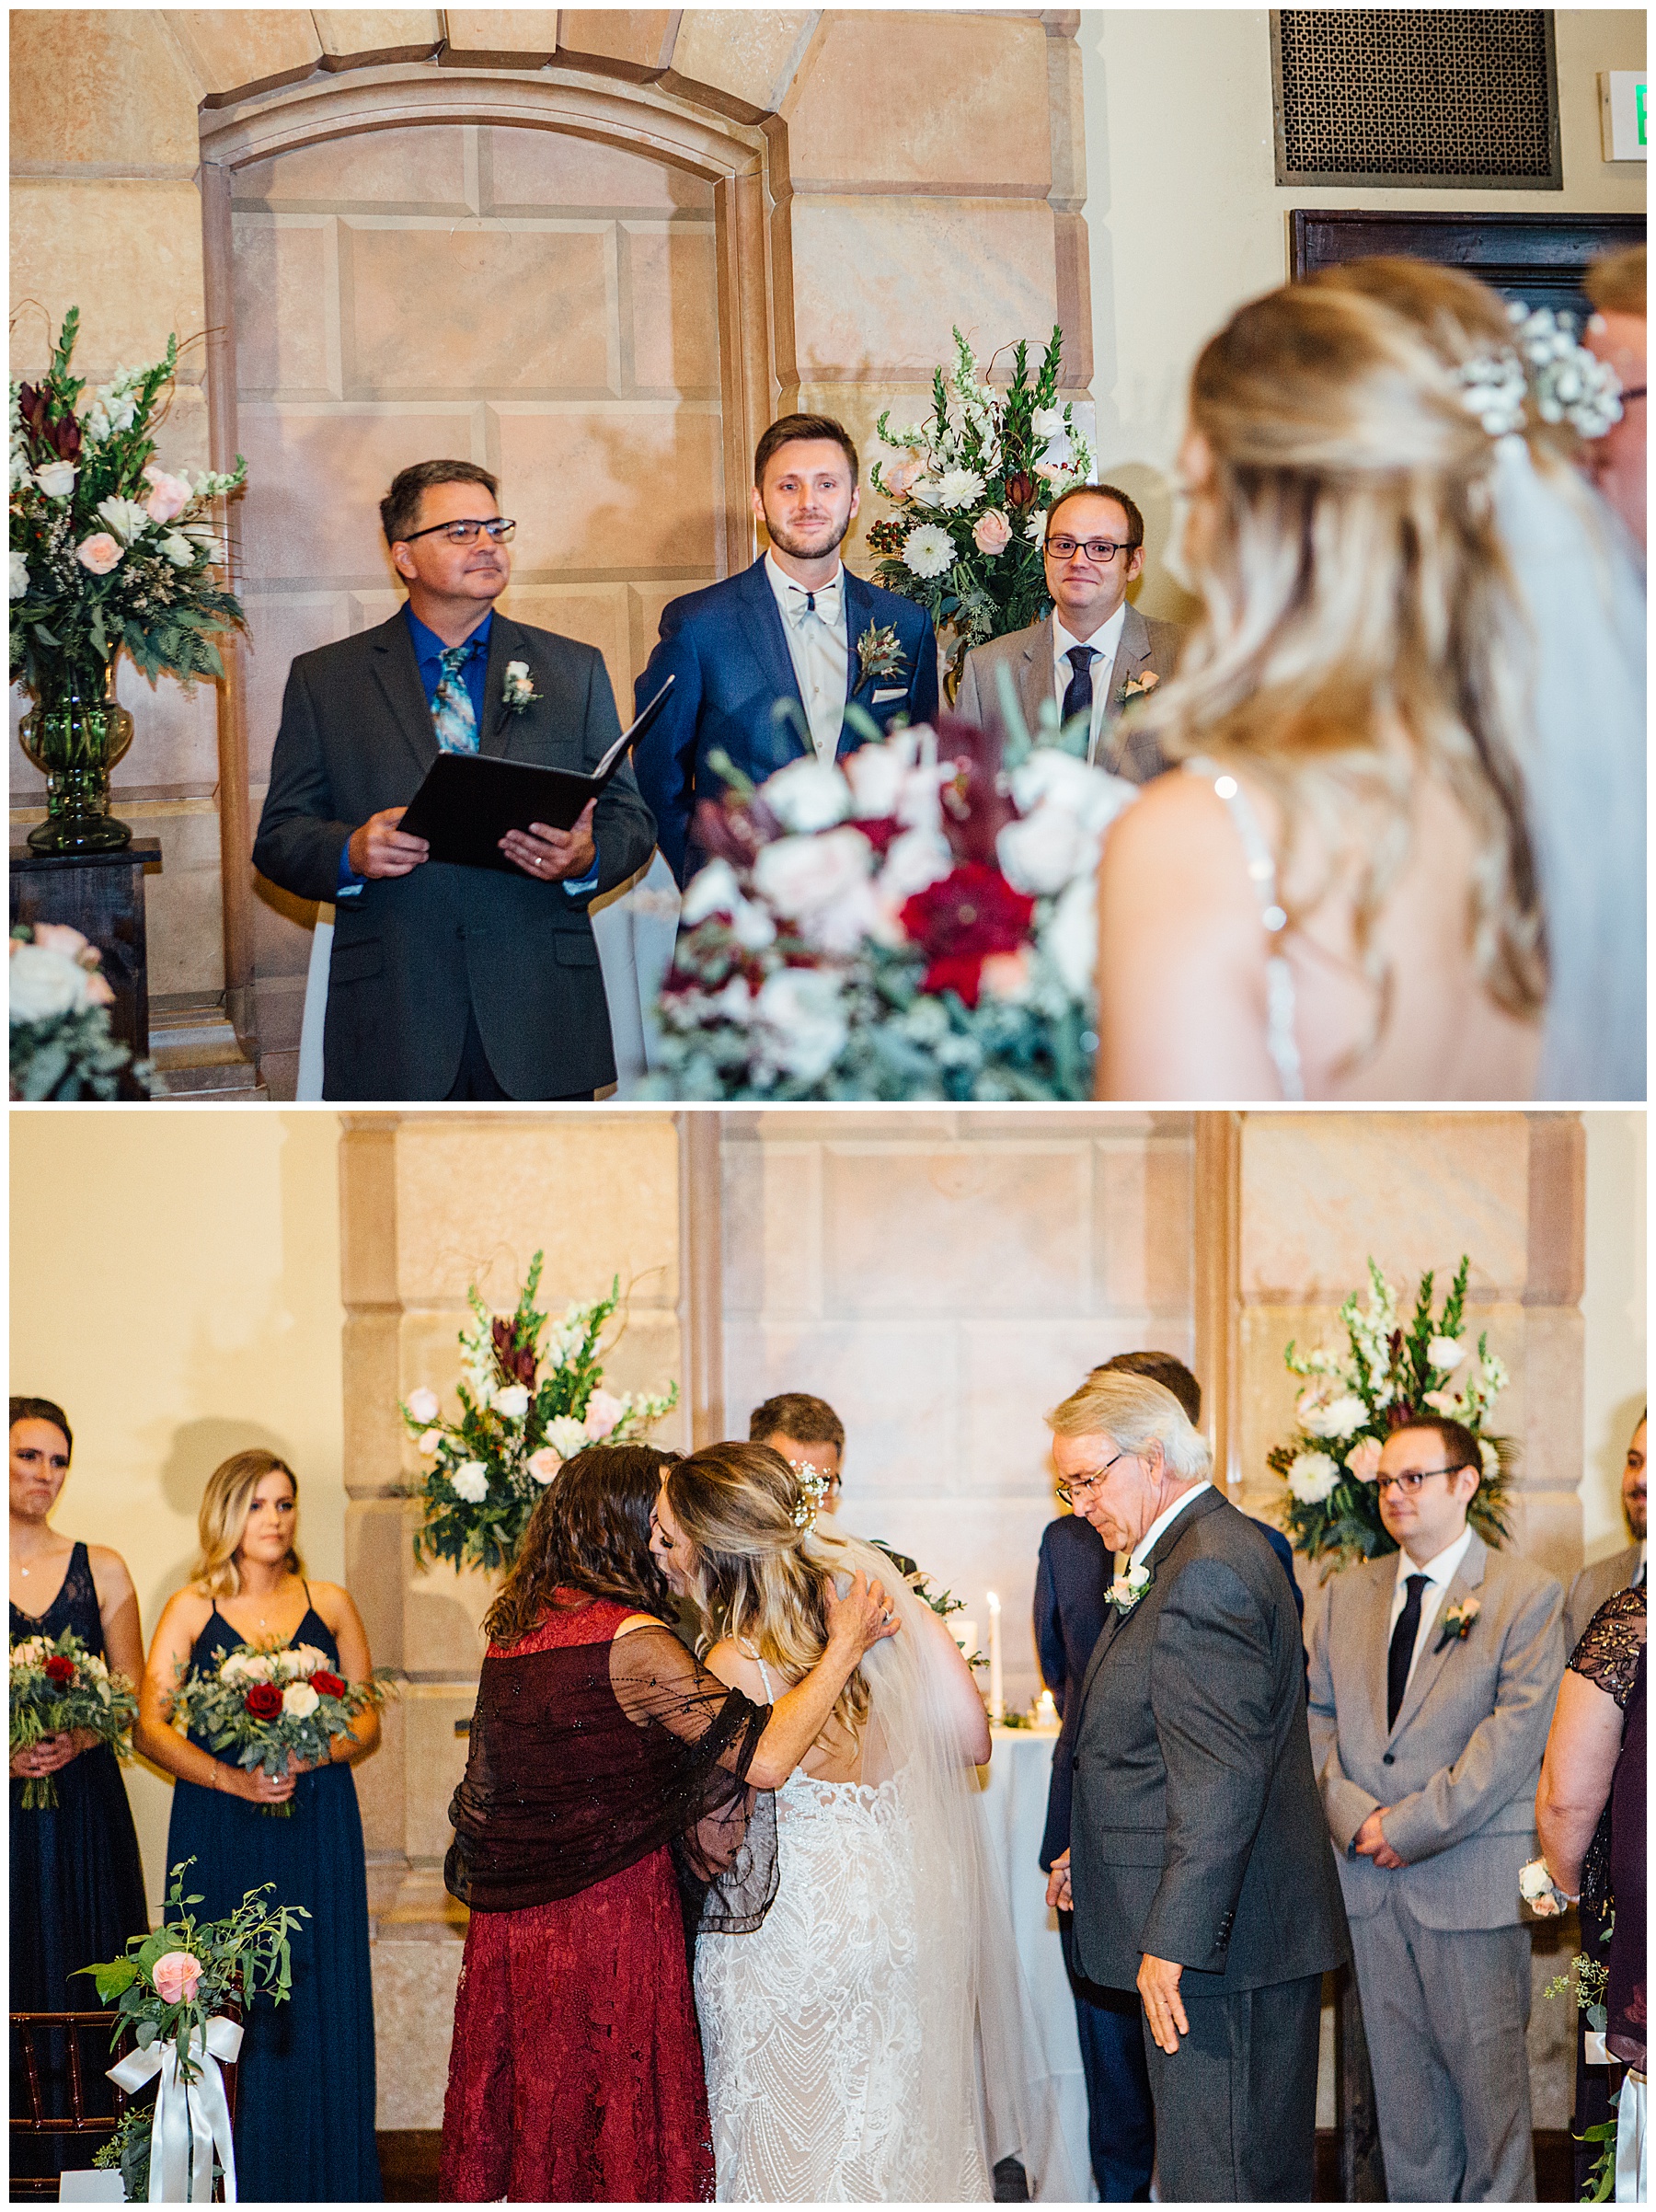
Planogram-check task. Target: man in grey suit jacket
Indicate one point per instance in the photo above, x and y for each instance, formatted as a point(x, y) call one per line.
point(1433, 1675)
point(450, 982)
point(1095, 651)
point(1622, 1569)
point(1196, 1869)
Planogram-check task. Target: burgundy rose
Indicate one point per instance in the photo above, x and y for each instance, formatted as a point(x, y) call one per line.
point(975, 805)
point(59, 1669)
point(883, 831)
point(959, 922)
point(263, 1700)
point(326, 1685)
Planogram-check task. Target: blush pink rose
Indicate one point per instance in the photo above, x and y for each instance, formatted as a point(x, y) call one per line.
point(168, 496)
point(57, 937)
point(177, 1975)
point(99, 552)
point(900, 479)
point(96, 992)
point(1363, 1459)
point(992, 533)
point(543, 1464)
point(603, 1412)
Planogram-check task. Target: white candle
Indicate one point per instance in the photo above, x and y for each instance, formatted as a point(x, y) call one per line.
point(997, 1703)
point(964, 1632)
point(1046, 1711)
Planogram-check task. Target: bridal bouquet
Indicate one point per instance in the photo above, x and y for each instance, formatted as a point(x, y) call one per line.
point(62, 1045)
point(1387, 1376)
point(523, 1411)
point(175, 1990)
point(914, 922)
point(972, 488)
point(273, 1703)
point(58, 1684)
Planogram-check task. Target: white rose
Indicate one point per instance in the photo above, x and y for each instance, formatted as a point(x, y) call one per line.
point(422, 1404)
point(1046, 850)
point(914, 861)
point(299, 1700)
point(1051, 778)
point(512, 1402)
point(803, 1010)
point(19, 576)
point(57, 479)
point(1445, 1354)
point(807, 795)
point(471, 1481)
point(1311, 1478)
point(567, 1435)
point(804, 875)
point(309, 1658)
point(712, 890)
point(753, 927)
point(1071, 938)
point(44, 984)
point(876, 775)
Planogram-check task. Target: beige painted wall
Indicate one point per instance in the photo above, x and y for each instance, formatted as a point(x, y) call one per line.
point(176, 1288)
point(1613, 1318)
point(1178, 244)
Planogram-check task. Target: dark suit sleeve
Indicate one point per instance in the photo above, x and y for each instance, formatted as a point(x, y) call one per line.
point(299, 840)
point(1284, 1551)
point(1049, 1629)
point(1213, 1699)
point(666, 760)
point(924, 692)
point(622, 825)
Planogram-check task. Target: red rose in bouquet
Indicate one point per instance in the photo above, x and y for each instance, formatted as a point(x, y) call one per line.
point(263, 1700)
point(59, 1669)
point(960, 921)
point(326, 1685)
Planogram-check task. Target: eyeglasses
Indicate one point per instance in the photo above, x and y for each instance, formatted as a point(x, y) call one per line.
point(1100, 549)
point(1069, 1491)
point(465, 533)
point(1409, 1484)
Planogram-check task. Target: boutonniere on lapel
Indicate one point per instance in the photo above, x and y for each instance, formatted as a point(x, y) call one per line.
point(1455, 1621)
point(518, 691)
point(1137, 688)
point(878, 654)
point(1127, 1589)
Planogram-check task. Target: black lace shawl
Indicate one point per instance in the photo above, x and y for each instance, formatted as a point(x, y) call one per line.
point(1608, 1656)
point(586, 1758)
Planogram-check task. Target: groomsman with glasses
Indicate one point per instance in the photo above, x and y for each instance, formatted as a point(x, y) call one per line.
point(450, 982)
point(1433, 1674)
point(1094, 652)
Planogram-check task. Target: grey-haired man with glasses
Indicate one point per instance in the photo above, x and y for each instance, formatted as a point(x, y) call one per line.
point(1433, 1674)
point(450, 982)
point(1094, 652)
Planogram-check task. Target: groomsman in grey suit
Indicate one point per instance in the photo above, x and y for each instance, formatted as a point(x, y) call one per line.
point(1623, 1570)
point(1095, 651)
point(1197, 1872)
point(1433, 1680)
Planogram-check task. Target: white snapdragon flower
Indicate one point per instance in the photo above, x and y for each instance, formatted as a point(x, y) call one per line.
point(471, 1481)
point(1312, 1477)
point(807, 795)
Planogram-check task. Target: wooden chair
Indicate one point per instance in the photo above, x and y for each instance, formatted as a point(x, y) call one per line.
point(95, 2104)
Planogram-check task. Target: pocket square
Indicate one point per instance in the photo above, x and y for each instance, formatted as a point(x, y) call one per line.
point(899, 691)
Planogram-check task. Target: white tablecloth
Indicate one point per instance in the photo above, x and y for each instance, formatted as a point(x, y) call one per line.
point(1015, 1796)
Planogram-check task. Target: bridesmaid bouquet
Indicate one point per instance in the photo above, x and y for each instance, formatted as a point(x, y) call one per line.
point(57, 1684)
point(271, 1703)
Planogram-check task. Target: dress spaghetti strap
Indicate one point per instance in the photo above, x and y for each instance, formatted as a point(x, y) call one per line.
point(1280, 1039)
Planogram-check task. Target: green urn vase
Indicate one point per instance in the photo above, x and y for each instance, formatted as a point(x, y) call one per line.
point(74, 733)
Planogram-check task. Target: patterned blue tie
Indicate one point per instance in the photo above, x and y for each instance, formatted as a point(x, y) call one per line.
point(451, 707)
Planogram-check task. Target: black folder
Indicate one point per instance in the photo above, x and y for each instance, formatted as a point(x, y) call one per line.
point(469, 800)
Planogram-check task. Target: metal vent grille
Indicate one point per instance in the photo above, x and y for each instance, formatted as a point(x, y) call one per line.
point(1416, 96)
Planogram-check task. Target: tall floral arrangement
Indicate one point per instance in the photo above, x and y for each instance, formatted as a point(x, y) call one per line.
point(916, 922)
point(1389, 1372)
point(526, 1407)
point(971, 488)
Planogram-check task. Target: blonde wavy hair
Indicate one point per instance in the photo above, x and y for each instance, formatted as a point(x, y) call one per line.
point(758, 1575)
point(1360, 624)
point(223, 1520)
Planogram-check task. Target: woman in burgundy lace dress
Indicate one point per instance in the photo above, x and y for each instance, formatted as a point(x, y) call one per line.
point(611, 1787)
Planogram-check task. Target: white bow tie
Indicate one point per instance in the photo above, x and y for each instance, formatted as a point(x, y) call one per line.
point(826, 607)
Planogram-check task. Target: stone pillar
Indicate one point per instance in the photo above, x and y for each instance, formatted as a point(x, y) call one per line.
point(430, 1202)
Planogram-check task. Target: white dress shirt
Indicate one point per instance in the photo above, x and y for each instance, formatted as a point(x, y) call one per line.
point(1105, 643)
point(1638, 1571)
point(819, 646)
point(1439, 1573)
point(1147, 1542)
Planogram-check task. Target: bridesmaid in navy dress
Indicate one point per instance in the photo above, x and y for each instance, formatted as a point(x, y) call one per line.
point(77, 1882)
point(304, 2096)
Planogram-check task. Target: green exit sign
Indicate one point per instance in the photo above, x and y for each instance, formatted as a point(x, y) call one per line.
point(1622, 117)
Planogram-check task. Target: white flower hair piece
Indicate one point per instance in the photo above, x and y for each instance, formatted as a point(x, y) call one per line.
point(813, 1488)
point(1546, 368)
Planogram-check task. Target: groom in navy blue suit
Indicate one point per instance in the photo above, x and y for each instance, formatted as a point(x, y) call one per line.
point(796, 627)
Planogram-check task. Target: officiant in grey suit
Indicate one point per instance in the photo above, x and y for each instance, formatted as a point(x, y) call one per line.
point(1198, 1870)
point(451, 982)
point(1095, 651)
point(1433, 1675)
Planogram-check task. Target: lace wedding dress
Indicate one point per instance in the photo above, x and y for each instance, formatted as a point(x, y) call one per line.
point(870, 2042)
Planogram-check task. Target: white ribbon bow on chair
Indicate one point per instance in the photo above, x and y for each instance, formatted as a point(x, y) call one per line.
point(193, 2119)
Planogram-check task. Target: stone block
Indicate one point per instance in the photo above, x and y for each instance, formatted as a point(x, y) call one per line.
point(380, 1778)
point(368, 1227)
point(425, 314)
point(183, 904)
point(243, 50)
point(640, 38)
point(1549, 1405)
point(377, 1538)
point(526, 171)
point(127, 253)
point(910, 101)
point(1005, 1444)
point(364, 34)
point(279, 629)
point(673, 282)
point(597, 614)
point(305, 463)
point(751, 54)
point(645, 604)
point(1321, 1193)
point(282, 930)
point(772, 1223)
point(419, 171)
point(436, 1760)
point(414, 1988)
point(879, 283)
point(527, 35)
point(442, 1630)
point(374, 1427)
point(285, 266)
point(1546, 1528)
point(1142, 1230)
point(625, 490)
point(102, 85)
